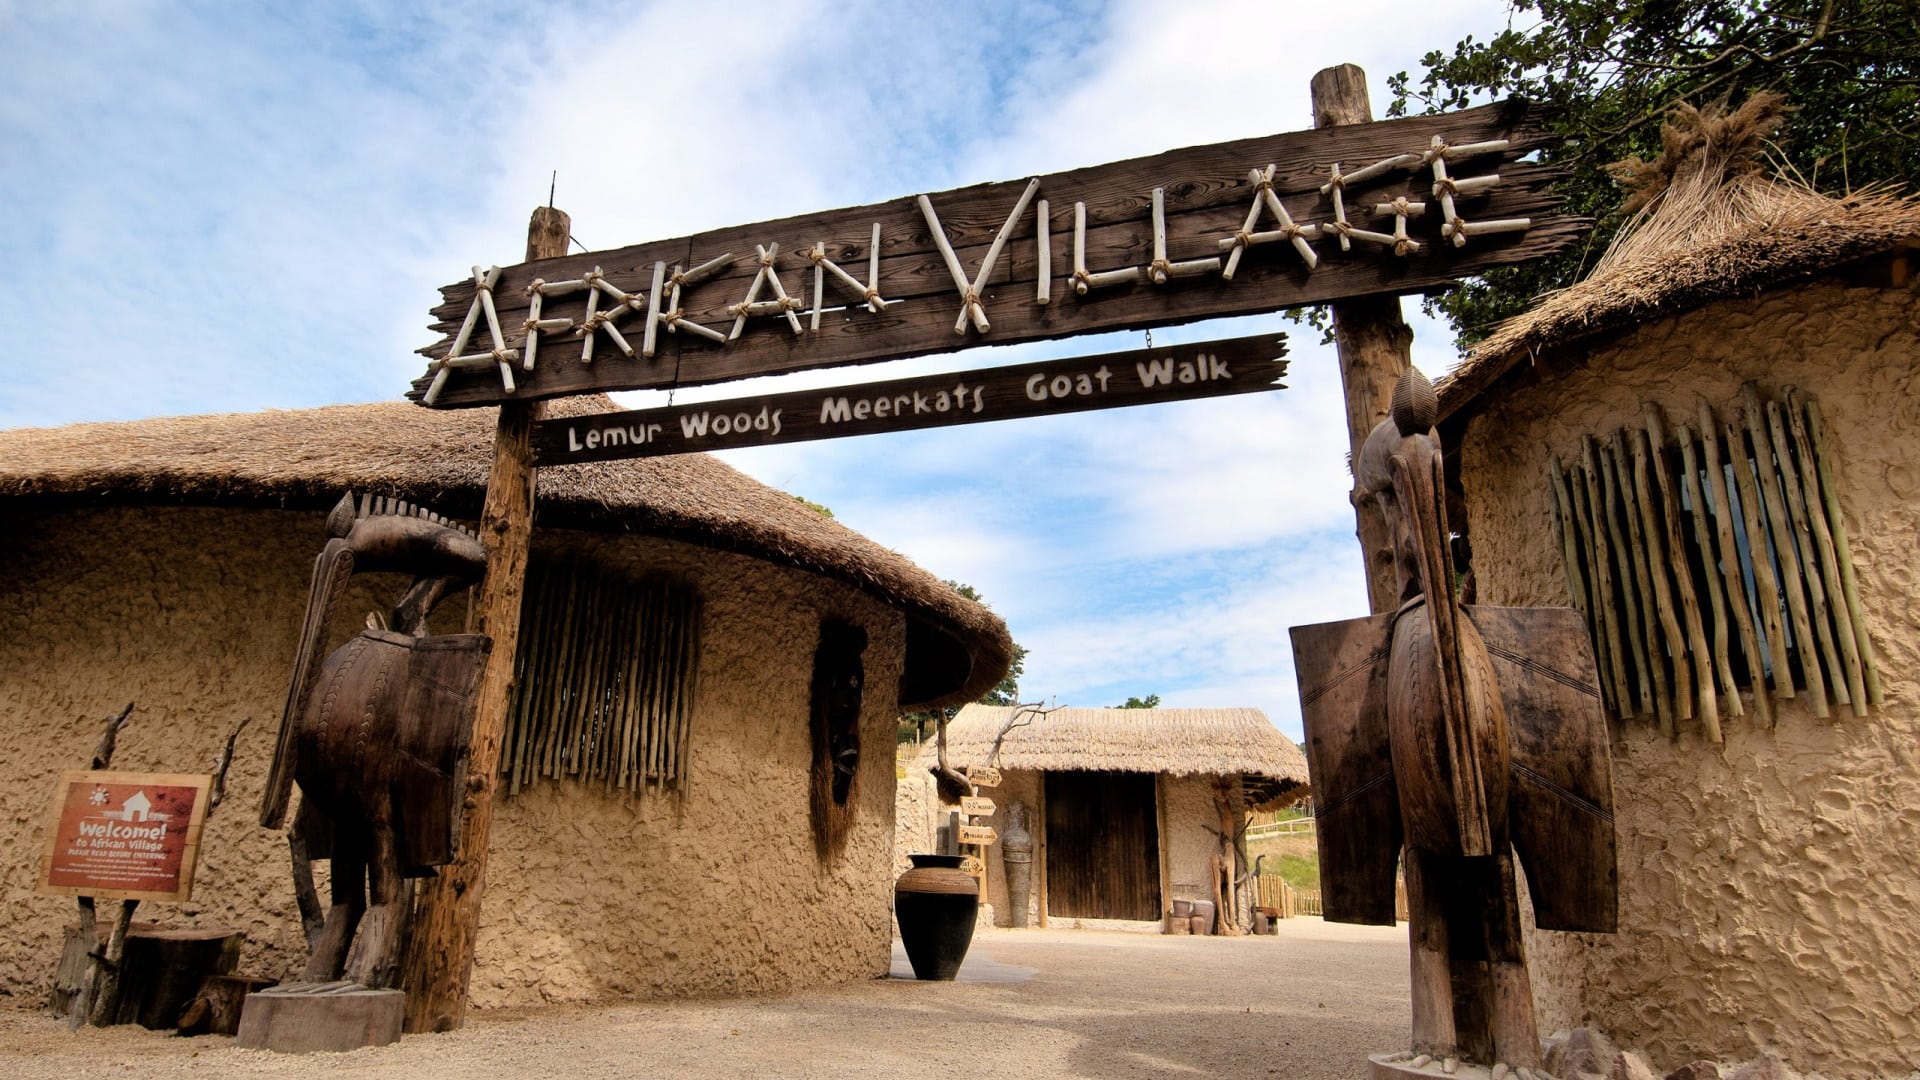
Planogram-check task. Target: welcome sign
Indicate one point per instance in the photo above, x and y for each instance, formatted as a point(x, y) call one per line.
point(130, 836)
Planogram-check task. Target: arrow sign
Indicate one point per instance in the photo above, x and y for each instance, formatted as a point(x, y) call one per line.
point(1106, 381)
point(976, 806)
point(983, 775)
point(977, 834)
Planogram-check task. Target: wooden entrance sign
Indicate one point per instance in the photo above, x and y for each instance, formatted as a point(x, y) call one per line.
point(125, 835)
point(1107, 381)
point(1233, 228)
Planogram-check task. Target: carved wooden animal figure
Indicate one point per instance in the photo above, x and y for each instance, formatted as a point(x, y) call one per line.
point(376, 735)
point(1463, 734)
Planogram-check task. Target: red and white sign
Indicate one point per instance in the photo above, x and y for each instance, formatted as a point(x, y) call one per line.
point(131, 836)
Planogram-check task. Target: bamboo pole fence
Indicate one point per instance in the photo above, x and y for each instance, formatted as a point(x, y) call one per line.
point(1710, 555)
point(604, 679)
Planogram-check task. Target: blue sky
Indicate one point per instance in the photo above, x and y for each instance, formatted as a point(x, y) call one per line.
point(326, 167)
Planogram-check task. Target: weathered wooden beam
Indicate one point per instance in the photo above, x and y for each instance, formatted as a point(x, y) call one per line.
point(439, 960)
point(1205, 195)
point(1374, 343)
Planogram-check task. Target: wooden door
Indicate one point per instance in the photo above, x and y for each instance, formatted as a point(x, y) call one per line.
point(1103, 846)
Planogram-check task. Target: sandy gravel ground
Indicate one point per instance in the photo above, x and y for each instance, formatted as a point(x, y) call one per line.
point(1309, 1003)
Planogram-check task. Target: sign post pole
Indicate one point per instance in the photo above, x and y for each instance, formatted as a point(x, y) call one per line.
point(1374, 342)
point(440, 954)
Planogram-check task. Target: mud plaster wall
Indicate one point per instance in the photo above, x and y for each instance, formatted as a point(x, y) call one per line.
point(192, 613)
point(1768, 886)
point(1190, 834)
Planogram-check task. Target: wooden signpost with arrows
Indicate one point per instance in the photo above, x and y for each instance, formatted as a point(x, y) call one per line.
point(1359, 210)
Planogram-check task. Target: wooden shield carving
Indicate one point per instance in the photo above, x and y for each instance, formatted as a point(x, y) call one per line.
point(443, 675)
point(1342, 669)
point(1561, 804)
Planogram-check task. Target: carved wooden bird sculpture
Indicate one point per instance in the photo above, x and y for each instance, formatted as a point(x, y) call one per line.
point(376, 735)
point(1462, 735)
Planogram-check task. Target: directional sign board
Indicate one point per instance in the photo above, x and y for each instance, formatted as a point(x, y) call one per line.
point(983, 776)
point(977, 834)
point(1107, 381)
point(1260, 224)
point(976, 806)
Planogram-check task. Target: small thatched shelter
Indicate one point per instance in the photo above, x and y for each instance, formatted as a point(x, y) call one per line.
point(1709, 447)
point(1125, 805)
point(166, 562)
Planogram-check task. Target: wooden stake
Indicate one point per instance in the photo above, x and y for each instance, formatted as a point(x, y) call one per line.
point(1814, 510)
point(1585, 491)
point(1729, 559)
point(1614, 458)
point(1783, 548)
point(1706, 703)
point(1374, 343)
point(1645, 532)
point(1716, 599)
point(1564, 526)
point(1766, 585)
point(1600, 491)
point(1843, 552)
point(440, 953)
point(1843, 679)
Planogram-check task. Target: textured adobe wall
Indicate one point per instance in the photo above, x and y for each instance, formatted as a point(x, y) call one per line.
point(1191, 822)
point(1768, 886)
point(192, 613)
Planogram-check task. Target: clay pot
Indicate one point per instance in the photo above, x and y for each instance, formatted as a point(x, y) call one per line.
point(1016, 854)
point(1202, 917)
point(935, 903)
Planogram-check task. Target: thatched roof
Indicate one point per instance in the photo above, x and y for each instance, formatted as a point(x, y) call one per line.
point(1179, 742)
point(303, 459)
point(1712, 228)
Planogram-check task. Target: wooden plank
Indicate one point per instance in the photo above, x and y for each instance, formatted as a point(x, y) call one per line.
point(439, 959)
point(976, 806)
point(1374, 344)
point(1207, 195)
point(1079, 384)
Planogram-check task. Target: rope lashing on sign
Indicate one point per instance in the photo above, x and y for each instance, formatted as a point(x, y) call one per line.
point(1160, 270)
point(782, 304)
point(1446, 189)
point(499, 355)
point(869, 291)
point(1084, 280)
point(537, 290)
point(1402, 209)
point(672, 316)
point(1265, 200)
point(971, 308)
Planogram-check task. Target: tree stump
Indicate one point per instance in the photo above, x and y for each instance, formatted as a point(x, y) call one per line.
point(215, 1010)
point(160, 971)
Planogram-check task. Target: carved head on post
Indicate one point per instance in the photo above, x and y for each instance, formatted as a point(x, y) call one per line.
point(1400, 471)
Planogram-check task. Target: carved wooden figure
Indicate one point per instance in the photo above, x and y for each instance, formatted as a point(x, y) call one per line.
point(376, 735)
point(1463, 735)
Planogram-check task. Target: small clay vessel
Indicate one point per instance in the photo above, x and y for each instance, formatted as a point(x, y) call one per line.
point(935, 903)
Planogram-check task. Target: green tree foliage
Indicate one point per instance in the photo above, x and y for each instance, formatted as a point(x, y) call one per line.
point(914, 727)
point(1611, 72)
point(1151, 701)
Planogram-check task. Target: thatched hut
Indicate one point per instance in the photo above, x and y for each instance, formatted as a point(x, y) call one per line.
point(1126, 806)
point(1709, 447)
point(166, 562)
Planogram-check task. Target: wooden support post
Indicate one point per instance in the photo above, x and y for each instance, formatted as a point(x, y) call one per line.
point(1374, 342)
point(440, 954)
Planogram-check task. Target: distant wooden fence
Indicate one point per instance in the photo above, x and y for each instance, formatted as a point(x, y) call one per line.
point(1283, 901)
